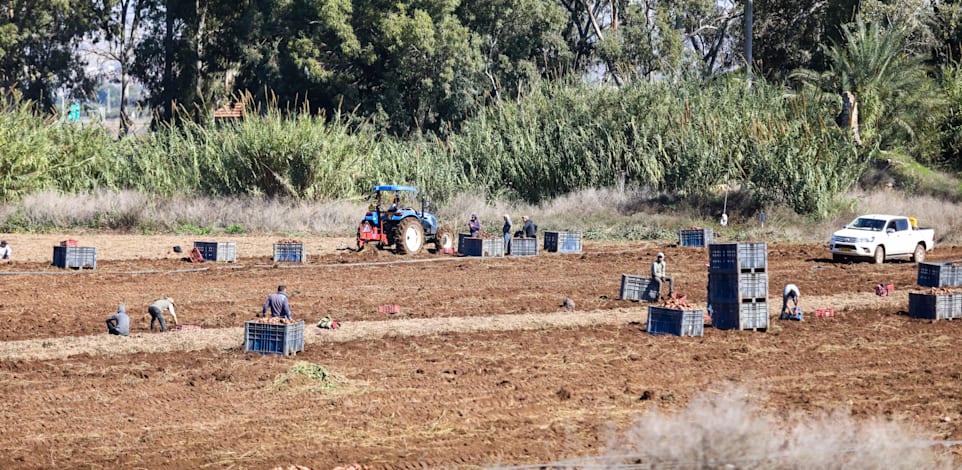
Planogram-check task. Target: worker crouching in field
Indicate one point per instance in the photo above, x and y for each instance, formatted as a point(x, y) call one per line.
point(156, 311)
point(791, 292)
point(5, 251)
point(658, 269)
point(119, 323)
point(278, 304)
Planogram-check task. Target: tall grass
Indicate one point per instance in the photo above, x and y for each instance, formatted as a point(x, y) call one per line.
point(559, 138)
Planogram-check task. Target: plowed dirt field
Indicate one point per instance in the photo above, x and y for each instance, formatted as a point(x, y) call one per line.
point(481, 366)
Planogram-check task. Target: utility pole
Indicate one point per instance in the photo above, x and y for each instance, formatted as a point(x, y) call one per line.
point(749, 25)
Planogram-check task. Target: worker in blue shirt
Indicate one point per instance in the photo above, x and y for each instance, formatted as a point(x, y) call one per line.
point(278, 304)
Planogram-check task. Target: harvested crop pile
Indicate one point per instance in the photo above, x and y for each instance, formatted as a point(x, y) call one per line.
point(937, 291)
point(678, 304)
point(289, 241)
point(275, 320)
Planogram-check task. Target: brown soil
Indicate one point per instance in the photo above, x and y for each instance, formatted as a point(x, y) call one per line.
point(481, 366)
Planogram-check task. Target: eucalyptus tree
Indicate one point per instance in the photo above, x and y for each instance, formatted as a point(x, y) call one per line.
point(189, 54)
point(39, 41)
point(121, 24)
point(519, 41)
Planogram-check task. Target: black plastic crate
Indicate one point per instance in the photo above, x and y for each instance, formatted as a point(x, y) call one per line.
point(289, 253)
point(562, 242)
point(737, 257)
point(461, 237)
point(485, 247)
point(524, 247)
point(668, 321)
point(739, 316)
point(737, 287)
point(940, 274)
point(218, 251)
point(700, 238)
point(271, 338)
point(935, 306)
point(638, 288)
point(75, 257)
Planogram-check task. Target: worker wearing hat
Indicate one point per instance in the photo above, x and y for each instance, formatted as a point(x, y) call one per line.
point(5, 252)
point(658, 274)
point(156, 311)
point(474, 225)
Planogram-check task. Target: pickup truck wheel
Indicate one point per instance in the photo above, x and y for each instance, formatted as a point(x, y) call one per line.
point(879, 254)
point(919, 255)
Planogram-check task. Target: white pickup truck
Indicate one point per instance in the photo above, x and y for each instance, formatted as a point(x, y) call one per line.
point(879, 237)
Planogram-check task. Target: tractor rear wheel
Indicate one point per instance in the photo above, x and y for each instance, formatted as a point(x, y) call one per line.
point(444, 239)
point(409, 237)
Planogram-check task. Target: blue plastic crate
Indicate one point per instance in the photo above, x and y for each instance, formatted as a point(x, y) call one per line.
point(562, 242)
point(737, 257)
point(668, 321)
point(270, 338)
point(737, 287)
point(218, 251)
point(935, 306)
point(524, 247)
point(638, 288)
point(940, 274)
point(696, 237)
point(75, 257)
point(739, 316)
point(485, 247)
point(289, 252)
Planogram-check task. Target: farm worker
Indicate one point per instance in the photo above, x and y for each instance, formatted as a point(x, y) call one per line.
point(119, 323)
point(790, 292)
point(395, 205)
point(529, 228)
point(474, 225)
point(658, 274)
point(506, 233)
point(5, 251)
point(278, 304)
point(156, 311)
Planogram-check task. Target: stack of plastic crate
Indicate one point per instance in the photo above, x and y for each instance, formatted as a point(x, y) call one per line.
point(738, 285)
point(939, 303)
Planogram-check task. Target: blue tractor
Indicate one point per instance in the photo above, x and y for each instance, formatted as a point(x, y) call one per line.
point(396, 225)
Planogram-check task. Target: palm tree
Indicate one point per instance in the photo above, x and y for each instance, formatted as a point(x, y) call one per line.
point(894, 92)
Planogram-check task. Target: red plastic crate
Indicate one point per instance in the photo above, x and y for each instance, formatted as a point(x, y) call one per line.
point(389, 309)
point(824, 312)
point(70, 243)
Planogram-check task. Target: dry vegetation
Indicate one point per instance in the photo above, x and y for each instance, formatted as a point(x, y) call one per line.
point(602, 214)
point(728, 428)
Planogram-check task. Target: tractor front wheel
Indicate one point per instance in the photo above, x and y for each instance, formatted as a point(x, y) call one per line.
point(409, 238)
point(444, 240)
